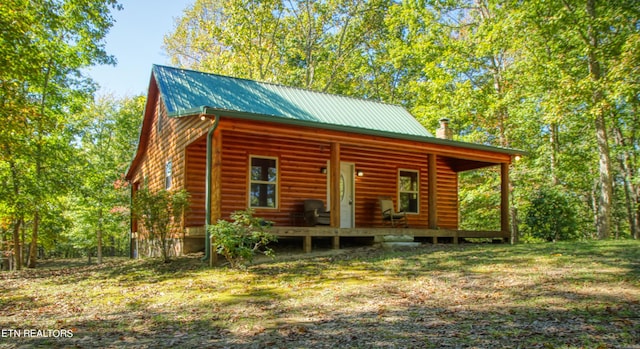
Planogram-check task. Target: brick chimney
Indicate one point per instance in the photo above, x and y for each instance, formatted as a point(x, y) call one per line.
point(444, 131)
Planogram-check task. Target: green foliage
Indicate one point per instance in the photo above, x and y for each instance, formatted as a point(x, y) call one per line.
point(240, 240)
point(312, 44)
point(479, 196)
point(100, 201)
point(161, 215)
point(551, 216)
point(44, 47)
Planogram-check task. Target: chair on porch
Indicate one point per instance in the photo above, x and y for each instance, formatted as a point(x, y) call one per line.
point(390, 215)
point(315, 213)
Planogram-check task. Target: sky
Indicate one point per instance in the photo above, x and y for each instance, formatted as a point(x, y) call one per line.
point(136, 40)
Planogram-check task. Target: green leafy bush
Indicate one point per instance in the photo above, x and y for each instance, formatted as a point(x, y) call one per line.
point(240, 240)
point(551, 216)
point(161, 215)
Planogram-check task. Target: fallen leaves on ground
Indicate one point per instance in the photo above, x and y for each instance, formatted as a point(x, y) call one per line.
point(469, 296)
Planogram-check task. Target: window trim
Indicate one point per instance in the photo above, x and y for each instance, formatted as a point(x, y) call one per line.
point(417, 191)
point(276, 183)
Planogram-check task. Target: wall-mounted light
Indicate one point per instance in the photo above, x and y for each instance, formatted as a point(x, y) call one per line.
point(517, 157)
point(203, 117)
point(323, 170)
point(359, 173)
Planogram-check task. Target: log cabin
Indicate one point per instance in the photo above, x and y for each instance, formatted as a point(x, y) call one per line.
point(235, 144)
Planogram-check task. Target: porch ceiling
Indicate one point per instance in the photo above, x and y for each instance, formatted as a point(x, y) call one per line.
point(461, 165)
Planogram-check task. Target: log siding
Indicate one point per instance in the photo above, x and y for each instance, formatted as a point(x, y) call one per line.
point(301, 153)
point(300, 164)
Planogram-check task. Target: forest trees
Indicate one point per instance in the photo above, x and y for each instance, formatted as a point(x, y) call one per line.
point(91, 212)
point(99, 205)
point(44, 46)
point(558, 80)
point(310, 44)
point(585, 42)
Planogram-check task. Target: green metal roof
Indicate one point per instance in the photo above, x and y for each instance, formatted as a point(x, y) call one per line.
point(187, 92)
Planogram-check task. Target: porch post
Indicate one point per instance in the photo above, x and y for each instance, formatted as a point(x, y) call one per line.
point(216, 188)
point(307, 244)
point(432, 172)
point(504, 197)
point(133, 242)
point(334, 185)
point(335, 243)
point(216, 178)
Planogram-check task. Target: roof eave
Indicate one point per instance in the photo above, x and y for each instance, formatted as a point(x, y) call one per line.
point(133, 165)
point(191, 112)
point(475, 146)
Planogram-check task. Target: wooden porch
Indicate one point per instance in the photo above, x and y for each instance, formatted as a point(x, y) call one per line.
point(308, 233)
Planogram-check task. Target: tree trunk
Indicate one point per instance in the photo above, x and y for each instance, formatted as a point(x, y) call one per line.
point(17, 255)
point(33, 250)
point(555, 146)
point(99, 246)
point(99, 235)
point(594, 203)
point(629, 203)
point(603, 222)
point(24, 254)
point(628, 175)
point(515, 232)
point(637, 234)
point(17, 247)
point(165, 248)
point(633, 160)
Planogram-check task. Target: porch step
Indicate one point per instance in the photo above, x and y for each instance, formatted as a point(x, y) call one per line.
point(393, 238)
point(399, 245)
point(395, 241)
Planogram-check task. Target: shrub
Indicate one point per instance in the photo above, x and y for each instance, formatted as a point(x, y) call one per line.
point(161, 215)
point(240, 240)
point(551, 216)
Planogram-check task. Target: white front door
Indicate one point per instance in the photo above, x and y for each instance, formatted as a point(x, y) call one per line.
point(347, 204)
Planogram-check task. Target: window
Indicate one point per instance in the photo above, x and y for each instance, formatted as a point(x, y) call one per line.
point(408, 191)
point(160, 122)
point(263, 182)
point(167, 175)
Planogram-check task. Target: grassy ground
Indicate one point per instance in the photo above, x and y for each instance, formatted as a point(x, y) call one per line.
point(566, 295)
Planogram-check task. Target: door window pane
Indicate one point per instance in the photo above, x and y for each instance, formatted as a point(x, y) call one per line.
point(408, 191)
